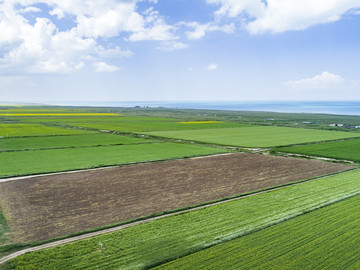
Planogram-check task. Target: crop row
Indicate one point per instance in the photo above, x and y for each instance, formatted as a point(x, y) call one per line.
point(154, 243)
point(324, 239)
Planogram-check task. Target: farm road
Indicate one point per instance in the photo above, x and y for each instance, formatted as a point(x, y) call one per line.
point(121, 227)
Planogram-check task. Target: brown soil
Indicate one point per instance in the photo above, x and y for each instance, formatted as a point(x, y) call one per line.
point(45, 207)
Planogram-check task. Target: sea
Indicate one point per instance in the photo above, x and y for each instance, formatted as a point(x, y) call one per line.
point(326, 107)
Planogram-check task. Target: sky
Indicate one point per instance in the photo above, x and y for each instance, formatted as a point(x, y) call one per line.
point(179, 50)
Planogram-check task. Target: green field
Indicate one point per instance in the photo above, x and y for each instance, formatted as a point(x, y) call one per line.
point(324, 239)
point(25, 130)
point(347, 150)
point(128, 123)
point(260, 136)
point(44, 142)
point(92, 119)
point(55, 160)
point(153, 243)
point(145, 126)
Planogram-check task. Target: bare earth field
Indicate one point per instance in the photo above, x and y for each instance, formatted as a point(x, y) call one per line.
point(45, 207)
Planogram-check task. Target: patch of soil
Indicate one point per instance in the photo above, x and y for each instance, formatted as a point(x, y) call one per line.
point(45, 207)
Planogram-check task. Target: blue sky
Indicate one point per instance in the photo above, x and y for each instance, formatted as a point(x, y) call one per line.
point(178, 50)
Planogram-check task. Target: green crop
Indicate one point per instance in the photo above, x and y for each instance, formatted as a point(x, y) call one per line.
point(26, 130)
point(67, 141)
point(55, 160)
point(266, 136)
point(163, 240)
point(348, 149)
point(327, 238)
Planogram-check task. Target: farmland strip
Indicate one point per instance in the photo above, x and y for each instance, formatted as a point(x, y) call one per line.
point(45, 207)
point(326, 238)
point(165, 239)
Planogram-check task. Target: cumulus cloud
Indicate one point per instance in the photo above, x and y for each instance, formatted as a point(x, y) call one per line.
point(200, 30)
point(170, 46)
point(321, 81)
point(42, 46)
point(278, 16)
point(153, 28)
point(212, 67)
point(103, 67)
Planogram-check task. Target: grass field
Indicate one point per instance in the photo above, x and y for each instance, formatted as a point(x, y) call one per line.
point(256, 136)
point(128, 123)
point(27, 130)
point(44, 142)
point(91, 199)
point(166, 239)
point(347, 150)
point(324, 239)
point(145, 125)
point(93, 119)
point(54, 160)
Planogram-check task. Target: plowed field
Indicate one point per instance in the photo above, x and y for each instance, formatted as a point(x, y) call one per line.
point(45, 207)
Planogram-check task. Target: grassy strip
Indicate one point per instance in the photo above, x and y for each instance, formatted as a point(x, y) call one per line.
point(169, 238)
point(27, 130)
point(46, 161)
point(345, 150)
point(259, 136)
point(4, 230)
point(325, 238)
point(52, 142)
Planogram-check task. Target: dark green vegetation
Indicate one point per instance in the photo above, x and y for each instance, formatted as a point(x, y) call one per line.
point(324, 239)
point(166, 239)
point(256, 136)
point(49, 142)
point(347, 150)
point(55, 160)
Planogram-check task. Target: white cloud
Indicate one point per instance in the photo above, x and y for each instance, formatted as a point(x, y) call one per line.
point(170, 46)
point(200, 30)
point(233, 8)
point(103, 67)
point(153, 28)
point(212, 67)
point(278, 16)
point(322, 81)
point(41, 47)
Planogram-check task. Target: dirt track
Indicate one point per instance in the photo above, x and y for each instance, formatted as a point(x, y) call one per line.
point(45, 207)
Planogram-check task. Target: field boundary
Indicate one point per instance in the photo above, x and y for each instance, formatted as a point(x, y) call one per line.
point(131, 223)
point(14, 178)
point(323, 158)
